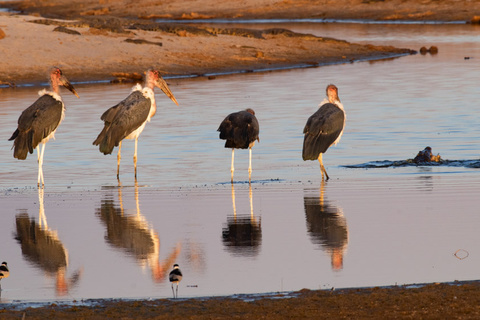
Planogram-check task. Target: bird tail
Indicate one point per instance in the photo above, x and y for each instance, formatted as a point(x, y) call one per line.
point(22, 144)
point(105, 142)
point(312, 147)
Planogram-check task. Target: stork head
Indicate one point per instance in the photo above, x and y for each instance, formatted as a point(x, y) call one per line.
point(175, 266)
point(57, 78)
point(154, 79)
point(332, 93)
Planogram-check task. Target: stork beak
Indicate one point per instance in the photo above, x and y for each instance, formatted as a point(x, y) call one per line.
point(162, 84)
point(64, 81)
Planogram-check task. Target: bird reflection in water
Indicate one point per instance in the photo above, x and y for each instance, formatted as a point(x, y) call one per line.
point(133, 234)
point(42, 247)
point(327, 226)
point(242, 235)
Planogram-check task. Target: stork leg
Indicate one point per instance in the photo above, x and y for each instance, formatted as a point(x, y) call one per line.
point(176, 294)
point(250, 165)
point(322, 168)
point(173, 291)
point(232, 169)
point(233, 203)
point(135, 158)
point(118, 159)
point(40, 164)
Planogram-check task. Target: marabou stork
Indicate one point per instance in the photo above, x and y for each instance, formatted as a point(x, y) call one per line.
point(37, 124)
point(240, 129)
point(127, 119)
point(324, 128)
point(175, 277)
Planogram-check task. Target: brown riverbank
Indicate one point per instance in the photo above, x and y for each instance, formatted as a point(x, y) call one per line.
point(435, 301)
point(100, 48)
point(428, 10)
point(106, 40)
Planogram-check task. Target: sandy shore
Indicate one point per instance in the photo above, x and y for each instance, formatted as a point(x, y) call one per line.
point(114, 39)
point(98, 52)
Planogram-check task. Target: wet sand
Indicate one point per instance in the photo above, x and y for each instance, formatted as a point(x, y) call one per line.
point(185, 51)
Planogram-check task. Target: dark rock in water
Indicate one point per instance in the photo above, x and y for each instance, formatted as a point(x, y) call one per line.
point(475, 20)
point(66, 30)
point(431, 50)
point(426, 155)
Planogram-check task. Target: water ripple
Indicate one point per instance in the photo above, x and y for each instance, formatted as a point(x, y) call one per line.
point(410, 162)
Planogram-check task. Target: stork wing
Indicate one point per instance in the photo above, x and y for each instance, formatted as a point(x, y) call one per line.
point(239, 129)
point(321, 130)
point(41, 118)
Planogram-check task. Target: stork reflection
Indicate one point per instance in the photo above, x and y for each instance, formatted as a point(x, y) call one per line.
point(132, 234)
point(243, 233)
point(327, 226)
point(42, 247)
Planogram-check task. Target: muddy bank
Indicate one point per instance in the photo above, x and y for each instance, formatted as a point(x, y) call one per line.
point(98, 48)
point(101, 39)
point(430, 10)
point(446, 301)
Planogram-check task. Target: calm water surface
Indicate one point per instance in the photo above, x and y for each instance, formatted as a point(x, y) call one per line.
point(85, 236)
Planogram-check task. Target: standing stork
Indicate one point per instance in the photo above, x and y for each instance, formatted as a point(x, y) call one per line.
point(4, 272)
point(240, 129)
point(324, 128)
point(37, 124)
point(175, 277)
point(127, 119)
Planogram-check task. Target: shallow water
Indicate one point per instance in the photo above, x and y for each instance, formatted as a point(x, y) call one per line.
point(365, 227)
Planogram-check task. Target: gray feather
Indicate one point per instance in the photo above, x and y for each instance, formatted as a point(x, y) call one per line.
point(36, 123)
point(121, 120)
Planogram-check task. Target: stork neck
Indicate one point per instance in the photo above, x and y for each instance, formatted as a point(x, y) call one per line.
point(54, 85)
point(149, 82)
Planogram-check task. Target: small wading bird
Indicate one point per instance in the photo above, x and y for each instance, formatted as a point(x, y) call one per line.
point(127, 119)
point(240, 129)
point(4, 272)
point(175, 277)
point(37, 124)
point(324, 128)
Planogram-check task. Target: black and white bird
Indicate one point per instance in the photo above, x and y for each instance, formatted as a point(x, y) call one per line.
point(127, 119)
point(324, 128)
point(4, 272)
point(175, 277)
point(240, 129)
point(37, 124)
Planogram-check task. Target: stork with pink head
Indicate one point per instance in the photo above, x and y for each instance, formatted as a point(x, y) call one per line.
point(38, 123)
point(127, 119)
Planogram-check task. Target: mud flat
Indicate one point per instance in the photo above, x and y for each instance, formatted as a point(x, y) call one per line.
point(434, 301)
